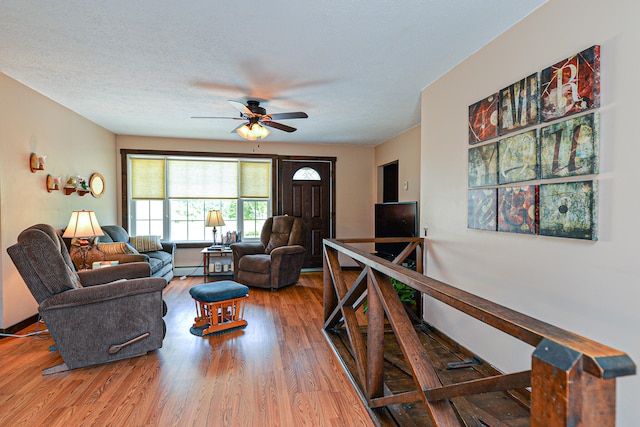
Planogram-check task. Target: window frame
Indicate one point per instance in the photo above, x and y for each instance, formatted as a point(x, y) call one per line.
point(128, 210)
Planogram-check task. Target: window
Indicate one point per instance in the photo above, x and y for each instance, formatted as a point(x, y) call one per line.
point(306, 174)
point(170, 196)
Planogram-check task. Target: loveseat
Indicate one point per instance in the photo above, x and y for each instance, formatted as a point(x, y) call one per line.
point(117, 245)
point(159, 255)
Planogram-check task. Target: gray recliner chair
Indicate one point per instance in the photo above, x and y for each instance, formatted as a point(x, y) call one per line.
point(94, 316)
point(276, 260)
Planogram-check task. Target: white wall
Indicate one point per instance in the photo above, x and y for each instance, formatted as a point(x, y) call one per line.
point(73, 146)
point(591, 288)
point(405, 149)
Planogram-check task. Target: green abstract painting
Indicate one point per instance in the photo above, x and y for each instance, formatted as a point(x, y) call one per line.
point(570, 148)
point(518, 158)
point(483, 213)
point(569, 209)
point(483, 165)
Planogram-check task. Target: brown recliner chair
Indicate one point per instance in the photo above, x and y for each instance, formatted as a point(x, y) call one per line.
point(276, 260)
point(93, 316)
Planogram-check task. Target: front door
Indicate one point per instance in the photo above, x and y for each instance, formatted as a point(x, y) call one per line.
point(306, 190)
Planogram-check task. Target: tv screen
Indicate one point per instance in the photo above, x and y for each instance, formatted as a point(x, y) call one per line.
point(396, 219)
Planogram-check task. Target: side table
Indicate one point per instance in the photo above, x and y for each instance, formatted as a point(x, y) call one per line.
point(217, 262)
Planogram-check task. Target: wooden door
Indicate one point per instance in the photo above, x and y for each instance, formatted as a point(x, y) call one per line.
point(306, 191)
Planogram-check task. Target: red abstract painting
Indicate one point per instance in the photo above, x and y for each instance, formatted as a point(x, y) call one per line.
point(571, 86)
point(517, 209)
point(483, 119)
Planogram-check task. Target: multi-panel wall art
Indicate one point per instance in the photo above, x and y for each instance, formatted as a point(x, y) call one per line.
point(483, 119)
point(568, 209)
point(571, 86)
point(482, 208)
point(518, 209)
point(483, 165)
point(522, 134)
point(570, 147)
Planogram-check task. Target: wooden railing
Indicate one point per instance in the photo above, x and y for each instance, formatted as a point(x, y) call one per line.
point(572, 378)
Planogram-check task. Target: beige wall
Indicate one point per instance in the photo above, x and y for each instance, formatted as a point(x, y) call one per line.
point(73, 146)
point(591, 288)
point(405, 149)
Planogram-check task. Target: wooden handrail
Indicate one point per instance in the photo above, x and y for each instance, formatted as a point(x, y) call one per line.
point(556, 349)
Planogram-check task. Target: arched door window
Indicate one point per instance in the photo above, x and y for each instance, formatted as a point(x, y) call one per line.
point(306, 174)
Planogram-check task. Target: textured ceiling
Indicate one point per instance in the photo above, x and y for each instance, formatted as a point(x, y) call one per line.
point(145, 67)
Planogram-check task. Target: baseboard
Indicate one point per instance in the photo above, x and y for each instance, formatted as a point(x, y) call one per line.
point(188, 271)
point(20, 325)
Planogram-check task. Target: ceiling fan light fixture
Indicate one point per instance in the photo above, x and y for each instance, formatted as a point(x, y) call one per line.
point(253, 131)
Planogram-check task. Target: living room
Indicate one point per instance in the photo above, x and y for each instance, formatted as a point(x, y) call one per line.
point(587, 287)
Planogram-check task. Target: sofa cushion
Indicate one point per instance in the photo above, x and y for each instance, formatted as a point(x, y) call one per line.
point(76, 253)
point(155, 264)
point(165, 258)
point(146, 243)
point(259, 263)
point(114, 233)
point(116, 248)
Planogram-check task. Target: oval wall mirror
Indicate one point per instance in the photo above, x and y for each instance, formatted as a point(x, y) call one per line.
point(97, 185)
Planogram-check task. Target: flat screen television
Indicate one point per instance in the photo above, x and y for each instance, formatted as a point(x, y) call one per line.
point(395, 219)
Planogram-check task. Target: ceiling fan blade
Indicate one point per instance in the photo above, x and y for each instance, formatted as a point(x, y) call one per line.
point(208, 117)
point(241, 107)
point(277, 125)
point(283, 116)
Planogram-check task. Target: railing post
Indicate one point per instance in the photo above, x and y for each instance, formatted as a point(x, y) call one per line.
point(375, 341)
point(563, 394)
point(330, 298)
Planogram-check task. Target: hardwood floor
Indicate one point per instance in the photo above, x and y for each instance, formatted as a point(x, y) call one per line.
point(278, 371)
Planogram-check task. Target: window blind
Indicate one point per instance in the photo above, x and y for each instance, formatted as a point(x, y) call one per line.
point(255, 181)
point(202, 179)
point(147, 179)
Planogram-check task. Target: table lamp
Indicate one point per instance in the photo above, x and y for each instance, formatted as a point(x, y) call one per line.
point(214, 219)
point(83, 225)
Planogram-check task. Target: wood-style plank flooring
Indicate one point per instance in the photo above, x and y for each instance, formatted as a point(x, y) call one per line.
point(278, 371)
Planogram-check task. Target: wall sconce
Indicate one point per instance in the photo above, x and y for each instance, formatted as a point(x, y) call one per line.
point(36, 162)
point(53, 183)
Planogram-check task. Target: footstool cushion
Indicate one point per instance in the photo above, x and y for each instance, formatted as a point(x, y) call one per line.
point(218, 291)
point(219, 307)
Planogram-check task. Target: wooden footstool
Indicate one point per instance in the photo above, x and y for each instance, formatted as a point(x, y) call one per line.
point(219, 307)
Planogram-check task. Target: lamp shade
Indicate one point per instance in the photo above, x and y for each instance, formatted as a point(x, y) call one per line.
point(83, 224)
point(214, 218)
point(253, 131)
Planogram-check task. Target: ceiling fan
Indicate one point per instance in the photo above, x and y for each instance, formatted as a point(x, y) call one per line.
point(256, 118)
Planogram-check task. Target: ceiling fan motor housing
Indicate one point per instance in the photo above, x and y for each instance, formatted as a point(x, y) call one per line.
point(255, 107)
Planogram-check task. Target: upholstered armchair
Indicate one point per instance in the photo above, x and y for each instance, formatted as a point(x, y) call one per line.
point(94, 316)
point(276, 260)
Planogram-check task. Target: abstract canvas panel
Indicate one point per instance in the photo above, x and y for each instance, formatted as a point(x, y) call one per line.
point(519, 105)
point(518, 158)
point(483, 119)
point(482, 214)
point(569, 209)
point(571, 147)
point(518, 209)
point(483, 165)
point(571, 86)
